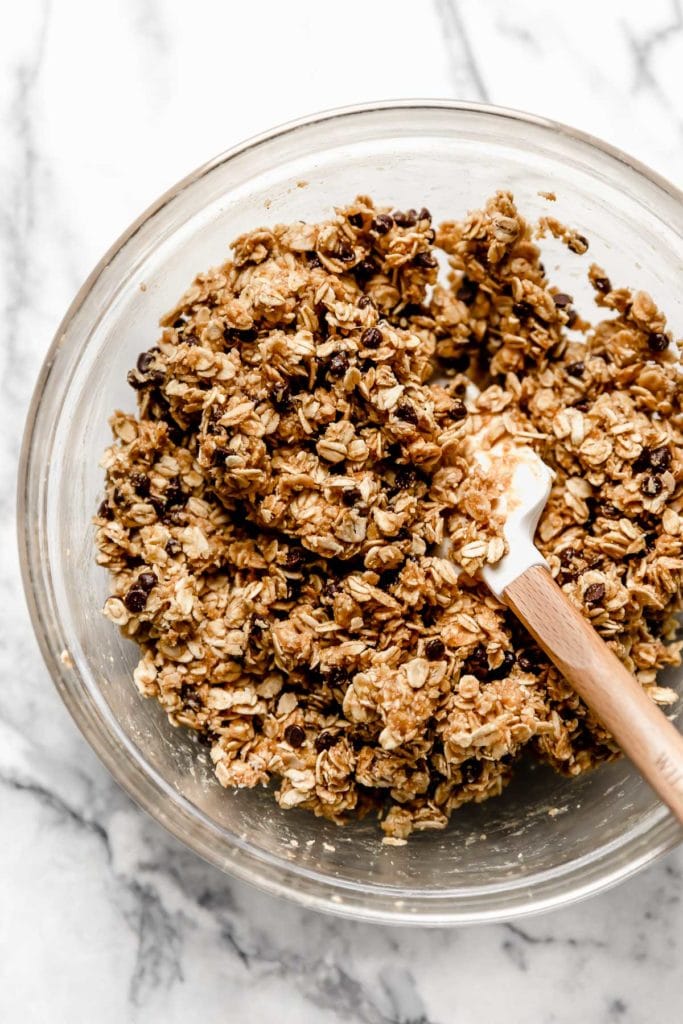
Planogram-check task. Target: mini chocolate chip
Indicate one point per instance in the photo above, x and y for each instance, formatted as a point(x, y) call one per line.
point(660, 459)
point(505, 668)
point(134, 381)
point(295, 558)
point(337, 675)
point(471, 770)
point(603, 284)
point(657, 342)
point(582, 406)
point(405, 219)
point(145, 360)
point(458, 409)
point(523, 310)
point(313, 259)
point(528, 662)
point(356, 219)
point(568, 555)
point(179, 324)
point(147, 581)
point(477, 664)
point(172, 548)
point(651, 486)
point(343, 252)
point(174, 495)
point(405, 478)
point(562, 300)
point(365, 301)
point(642, 460)
point(281, 397)
point(435, 649)
point(324, 741)
point(430, 235)
point(594, 594)
point(607, 510)
point(371, 337)
point(350, 496)
point(140, 482)
point(576, 369)
point(135, 600)
point(578, 244)
point(104, 511)
point(467, 291)
point(425, 260)
point(364, 270)
point(424, 214)
point(572, 317)
point(406, 412)
point(382, 224)
point(330, 589)
point(338, 365)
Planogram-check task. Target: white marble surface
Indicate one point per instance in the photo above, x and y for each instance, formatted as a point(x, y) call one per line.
point(103, 917)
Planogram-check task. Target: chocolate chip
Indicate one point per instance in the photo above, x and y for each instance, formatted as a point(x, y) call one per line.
point(343, 252)
point(135, 600)
point(578, 244)
point(657, 342)
point(382, 224)
point(371, 337)
point(607, 510)
point(174, 495)
point(365, 301)
point(172, 548)
point(134, 381)
point(651, 486)
point(313, 259)
point(364, 270)
point(406, 412)
point(356, 219)
point(104, 511)
point(435, 649)
point(562, 300)
point(280, 396)
point(405, 478)
point(425, 260)
point(529, 662)
point(467, 291)
point(295, 558)
point(594, 594)
point(424, 214)
point(337, 675)
point(405, 219)
point(642, 460)
point(147, 581)
point(178, 324)
point(471, 770)
point(324, 741)
point(660, 459)
point(477, 664)
point(572, 317)
point(338, 365)
point(458, 409)
point(505, 668)
point(582, 406)
point(523, 310)
point(295, 735)
point(576, 369)
point(568, 556)
point(603, 284)
point(140, 482)
point(145, 360)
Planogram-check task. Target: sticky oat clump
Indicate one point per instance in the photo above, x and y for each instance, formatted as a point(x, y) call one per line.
point(275, 511)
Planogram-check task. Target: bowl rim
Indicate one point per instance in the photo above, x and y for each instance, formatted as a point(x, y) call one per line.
point(500, 902)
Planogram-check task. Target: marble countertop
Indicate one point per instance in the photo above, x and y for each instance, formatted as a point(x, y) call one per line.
point(103, 916)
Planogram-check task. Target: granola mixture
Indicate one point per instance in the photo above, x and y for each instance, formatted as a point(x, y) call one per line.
point(274, 512)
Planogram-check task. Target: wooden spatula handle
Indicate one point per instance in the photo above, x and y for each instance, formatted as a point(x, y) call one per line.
point(640, 728)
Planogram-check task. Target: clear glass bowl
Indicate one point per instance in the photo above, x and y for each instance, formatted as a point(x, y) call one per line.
point(548, 840)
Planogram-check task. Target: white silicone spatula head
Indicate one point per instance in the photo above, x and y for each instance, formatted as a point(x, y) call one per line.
point(527, 482)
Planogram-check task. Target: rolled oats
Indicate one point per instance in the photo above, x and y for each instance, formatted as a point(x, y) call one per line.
point(274, 512)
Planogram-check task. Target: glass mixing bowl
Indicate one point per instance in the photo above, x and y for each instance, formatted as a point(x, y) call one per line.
point(548, 840)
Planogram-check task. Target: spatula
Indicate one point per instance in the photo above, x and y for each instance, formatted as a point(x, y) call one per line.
point(522, 581)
